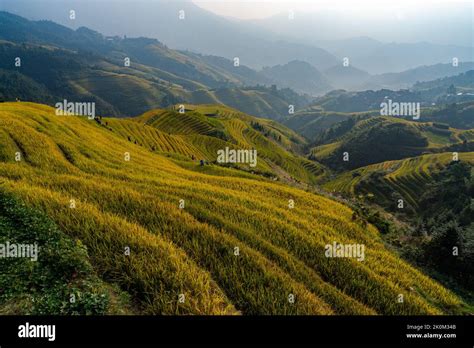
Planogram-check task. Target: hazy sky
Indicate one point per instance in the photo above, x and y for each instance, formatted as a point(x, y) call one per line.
point(255, 9)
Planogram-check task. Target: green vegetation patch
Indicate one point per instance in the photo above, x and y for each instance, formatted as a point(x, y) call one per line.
point(59, 279)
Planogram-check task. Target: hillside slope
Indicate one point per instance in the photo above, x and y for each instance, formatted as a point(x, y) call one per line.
point(300, 76)
point(379, 139)
point(203, 130)
point(63, 269)
point(386, 182)
point(233, 247)
point(312, 122)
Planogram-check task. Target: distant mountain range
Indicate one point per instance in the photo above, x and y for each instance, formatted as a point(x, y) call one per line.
point(378, 57)
point(462, 86)
point(452, 89)
point(199, 31)
point(332, 28)
point(305, 78)
point(300, 76)
point(406, 79)
point(58, 62)
point(321, 39)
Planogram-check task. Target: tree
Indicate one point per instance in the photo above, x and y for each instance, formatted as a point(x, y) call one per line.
point(451, 90)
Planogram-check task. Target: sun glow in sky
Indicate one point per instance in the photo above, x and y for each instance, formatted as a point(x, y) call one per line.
point(255, 9)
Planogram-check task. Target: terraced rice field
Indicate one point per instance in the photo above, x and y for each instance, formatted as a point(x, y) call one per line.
point(408, 177)
point(230, 245)
point(201, 131)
